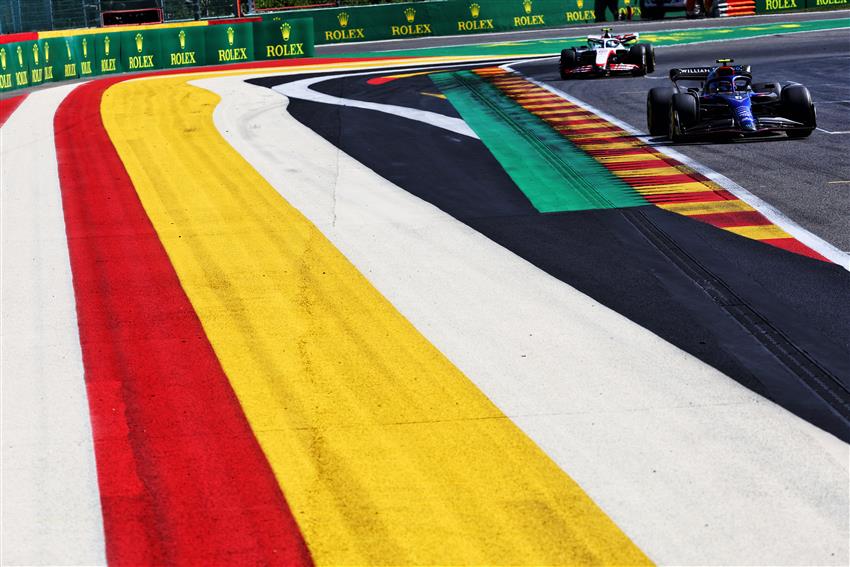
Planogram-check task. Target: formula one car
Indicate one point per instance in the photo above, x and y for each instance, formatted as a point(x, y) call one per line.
point(608, 54)
point(728, 103)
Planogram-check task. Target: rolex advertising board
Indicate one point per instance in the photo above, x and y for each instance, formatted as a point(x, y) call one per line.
point(14, 67)
point(183, 47)
point(140, 50)
point(777, 6)
point(448, 17)
point(51, 50)
point(366, 23)
point(86, 53)
point(279, 40)
point(108, 53)
point(34, 61)
point(229, 43)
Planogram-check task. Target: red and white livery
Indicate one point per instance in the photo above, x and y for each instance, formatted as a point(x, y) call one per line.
point(607, 54)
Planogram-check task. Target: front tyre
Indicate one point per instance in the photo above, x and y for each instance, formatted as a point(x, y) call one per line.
point(569, 60)
point(657, 110)
point(796, 104)
point(684, 114)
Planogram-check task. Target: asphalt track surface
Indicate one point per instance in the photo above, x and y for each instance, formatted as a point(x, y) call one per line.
point(776, 322)
point(808, 179)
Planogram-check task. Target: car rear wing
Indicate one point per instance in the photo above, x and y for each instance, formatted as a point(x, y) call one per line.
point(701, 73)
point(690, 74)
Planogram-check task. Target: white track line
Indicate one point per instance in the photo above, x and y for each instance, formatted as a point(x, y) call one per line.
point(51, 505)
point(813, 241)
point(301, 90)
point(694, 467)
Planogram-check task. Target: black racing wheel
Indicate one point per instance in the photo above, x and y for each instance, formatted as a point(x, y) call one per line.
point(796, 104)
point(658, 108)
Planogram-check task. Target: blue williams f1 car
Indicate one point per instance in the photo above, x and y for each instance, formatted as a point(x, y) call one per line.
point(727, 103)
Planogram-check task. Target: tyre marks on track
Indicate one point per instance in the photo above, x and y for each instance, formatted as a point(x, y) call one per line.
point(608, 256)
point(182, 478)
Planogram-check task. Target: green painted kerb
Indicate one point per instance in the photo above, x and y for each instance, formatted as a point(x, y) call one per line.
point(552, 173)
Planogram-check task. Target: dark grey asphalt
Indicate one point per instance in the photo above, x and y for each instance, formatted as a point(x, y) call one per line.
point(808, 180)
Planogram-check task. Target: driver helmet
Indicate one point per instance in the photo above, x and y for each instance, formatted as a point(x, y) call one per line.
point(724, 86)
point(606, 32)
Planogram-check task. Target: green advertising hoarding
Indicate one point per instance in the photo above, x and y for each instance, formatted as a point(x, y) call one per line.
point(448, 17)
point(50, 59)
point(278, 40)
point(778, 6)
point(14, 67)
point(67, 59)
point(365, 23)
point(183, 47)
point(229, 43)
point(85, 48)
point(140, 50)
point(107, 49)
point(34, 60)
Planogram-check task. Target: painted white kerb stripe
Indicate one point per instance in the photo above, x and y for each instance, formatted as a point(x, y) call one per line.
point(694, 467)
point(51, 505)
point(811, 240)
point(301, 90)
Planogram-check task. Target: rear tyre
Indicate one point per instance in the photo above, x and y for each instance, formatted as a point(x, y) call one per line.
point(658, 102)
point(796, 104)
point(684, 114)
point(650, 57)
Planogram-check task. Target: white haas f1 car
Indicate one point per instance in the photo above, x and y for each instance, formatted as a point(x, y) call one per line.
point(608, 54)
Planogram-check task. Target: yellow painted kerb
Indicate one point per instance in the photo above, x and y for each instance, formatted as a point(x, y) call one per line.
point(385, 451)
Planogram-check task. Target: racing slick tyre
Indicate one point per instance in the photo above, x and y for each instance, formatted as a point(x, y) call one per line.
point(569, 60)
point(684, 114)
point(797, 105)
point(639, 55)
point(650, 57)
point(658, 109)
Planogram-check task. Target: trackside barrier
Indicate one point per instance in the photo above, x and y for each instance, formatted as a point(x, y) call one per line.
point(183, 47)
point(59, 57)
point(777, 6)
point(230, 43)
point(444, 17)
point(293, 38)
point(140, 51)
point(108, 53)
point(14, 66)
